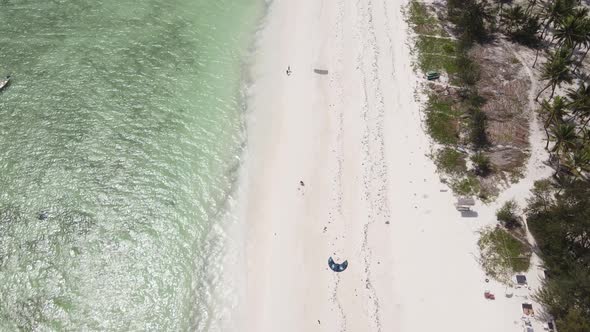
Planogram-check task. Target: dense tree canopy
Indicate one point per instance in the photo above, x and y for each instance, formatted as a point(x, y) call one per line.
point(470, 17)
point(558, 213)
point(559, 218)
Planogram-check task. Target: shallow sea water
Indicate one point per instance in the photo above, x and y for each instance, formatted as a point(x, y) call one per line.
point(119, 143)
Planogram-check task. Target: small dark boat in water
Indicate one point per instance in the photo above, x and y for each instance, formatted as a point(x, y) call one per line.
point(4, 82)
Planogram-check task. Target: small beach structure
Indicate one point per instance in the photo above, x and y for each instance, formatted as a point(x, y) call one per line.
point(488, 295)
point(464, 203)
point(432, 75)
point(527, 309)
point(4, 82)
point(521, 280)
point(337, 267)
point(321, 71)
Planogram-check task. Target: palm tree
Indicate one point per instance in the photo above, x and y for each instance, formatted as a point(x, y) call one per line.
point(561, 181)
point(553, 113)
point(556, 70)
point(579, 101)
point(519, 26)
point(481, 164)
point(530, 6)
point(569, 31)
point(513, 17)
point(553, 12)
point(564, 137)
point(578, 162)
point(501, 4)
point(527, 31)
point(584, 39)
point(580, 12)
point(473, 18)
point(584, 134)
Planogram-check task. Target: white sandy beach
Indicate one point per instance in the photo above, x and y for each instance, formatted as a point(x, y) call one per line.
point(371, 194)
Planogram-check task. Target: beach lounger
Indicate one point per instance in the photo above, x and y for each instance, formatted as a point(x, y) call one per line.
point(464, 203)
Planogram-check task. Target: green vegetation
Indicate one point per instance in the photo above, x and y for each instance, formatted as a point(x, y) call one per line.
point(502, 254)
point(451, 161)
point(508, 215)
point(466, 186)
point(558, 214)
point(481, 164)
point(444, 116)
point(424, 23)
point(467, 70)
point(520, 26)
point(435, 51)
point(477, 129)
point(566, 124)
point(434, 44)
point(559, 217)
point(442, 121)
point(556, 71)
point(437, 54)
point(574, 321)
point(470, 17)
point(517, 174)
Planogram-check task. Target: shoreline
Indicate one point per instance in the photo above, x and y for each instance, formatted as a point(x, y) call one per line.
point(371, 194)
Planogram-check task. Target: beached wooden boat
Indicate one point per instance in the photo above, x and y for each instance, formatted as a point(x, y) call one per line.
point(4, 82)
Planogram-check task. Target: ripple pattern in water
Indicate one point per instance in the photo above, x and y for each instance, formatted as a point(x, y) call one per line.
point(118, 137)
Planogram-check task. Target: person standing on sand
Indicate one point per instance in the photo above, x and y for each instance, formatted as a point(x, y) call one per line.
point(288, 70)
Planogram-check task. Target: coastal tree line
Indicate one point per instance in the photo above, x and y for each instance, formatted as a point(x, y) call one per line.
point(558, 212)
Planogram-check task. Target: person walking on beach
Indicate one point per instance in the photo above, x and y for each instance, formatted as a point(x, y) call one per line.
point(288, 70)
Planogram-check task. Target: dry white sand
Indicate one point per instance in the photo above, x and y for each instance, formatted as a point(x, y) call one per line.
point(370, 195)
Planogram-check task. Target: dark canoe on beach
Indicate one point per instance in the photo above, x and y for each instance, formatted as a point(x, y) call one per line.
point(4, 82)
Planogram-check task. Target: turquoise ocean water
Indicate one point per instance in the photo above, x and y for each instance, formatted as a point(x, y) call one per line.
point(119, 139)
